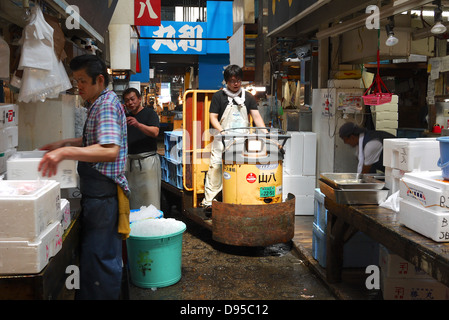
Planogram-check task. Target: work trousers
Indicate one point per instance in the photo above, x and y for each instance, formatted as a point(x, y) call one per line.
point(214, 183)
point(101, 244)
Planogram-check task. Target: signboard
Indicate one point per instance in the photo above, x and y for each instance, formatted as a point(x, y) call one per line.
point(147, 12)
point(176, 37)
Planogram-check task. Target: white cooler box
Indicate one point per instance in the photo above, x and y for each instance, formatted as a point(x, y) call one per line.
point(411, 154)
point(426, 189)
point(23, 165)
point(27, 208)
point(65, 213)
point(25, 257)
point(9, 137)
point(428, 222)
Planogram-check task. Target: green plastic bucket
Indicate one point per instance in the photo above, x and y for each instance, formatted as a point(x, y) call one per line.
point(155, 262)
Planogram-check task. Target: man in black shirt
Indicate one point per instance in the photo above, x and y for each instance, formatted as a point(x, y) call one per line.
point(144, 166)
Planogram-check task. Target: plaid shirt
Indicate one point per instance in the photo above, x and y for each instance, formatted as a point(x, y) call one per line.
point(106, 124)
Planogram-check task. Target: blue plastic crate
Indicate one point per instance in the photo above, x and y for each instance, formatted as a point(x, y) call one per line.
point(164, 175)
point(358, 252)
point(174, 173)
point(320, 211)
point(163, 162)
point(173, 166)
point(173, 145)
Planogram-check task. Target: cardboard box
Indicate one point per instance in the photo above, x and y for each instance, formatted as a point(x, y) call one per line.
point(412, 289)
point(393, 266)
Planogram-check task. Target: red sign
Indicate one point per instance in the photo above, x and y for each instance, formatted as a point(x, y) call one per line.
point(251, 177)
point(147, 12)
point(10, 115)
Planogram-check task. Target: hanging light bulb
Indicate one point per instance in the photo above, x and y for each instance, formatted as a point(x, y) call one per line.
point(391, 39)
point(438, 28)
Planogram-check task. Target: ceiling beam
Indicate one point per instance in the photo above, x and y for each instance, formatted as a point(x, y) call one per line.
point(386, 11)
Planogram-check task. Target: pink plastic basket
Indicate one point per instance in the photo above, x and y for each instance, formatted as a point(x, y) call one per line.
point(377, 97)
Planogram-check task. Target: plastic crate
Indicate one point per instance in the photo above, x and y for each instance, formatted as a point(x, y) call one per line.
point(174, 173)
point(173, 145)
point(358, 252)
point(320, 211)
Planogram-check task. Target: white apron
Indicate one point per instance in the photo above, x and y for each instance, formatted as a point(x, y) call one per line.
point(234, 116)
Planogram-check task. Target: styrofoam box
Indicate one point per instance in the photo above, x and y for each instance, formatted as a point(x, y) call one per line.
point(385, 115)
point(425, 189)
point(393, 266)
point(298, 185)
point(24, 215)
point(411, 154)
point(26, 257)
point(386, 124)
point(9, 137)
point(23, 165)
point(393, 179)
point(9, 115)
point(429, 223)
point(386, 107)
point(300, 154)
point(4, 156)
point(412, 289)
point(303, 205)
point(65, 212)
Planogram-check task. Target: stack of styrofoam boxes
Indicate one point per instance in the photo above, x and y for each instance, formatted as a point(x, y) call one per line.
point(424, 205)
point(385, 116)
point(359, 251)
point(299, 170)
point(403, 155)
point(9, 133)
point(171, 162)
point(23, 165)
point(401, 280)
point(30, 225)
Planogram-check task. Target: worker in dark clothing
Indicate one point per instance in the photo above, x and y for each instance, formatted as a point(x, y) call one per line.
point(369, 145)
point(143, 166)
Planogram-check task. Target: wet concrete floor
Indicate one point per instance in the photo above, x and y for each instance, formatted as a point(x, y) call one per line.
point(214, 271)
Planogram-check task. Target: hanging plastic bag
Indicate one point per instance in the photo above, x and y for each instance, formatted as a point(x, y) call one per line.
point(38, 84)
point(37, 43)
point(4, 59)
point(44, 75)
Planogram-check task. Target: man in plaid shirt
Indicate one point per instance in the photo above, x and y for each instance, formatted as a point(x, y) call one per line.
point(101, 154)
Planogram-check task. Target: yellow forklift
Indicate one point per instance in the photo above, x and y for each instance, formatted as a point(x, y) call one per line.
point(252, 211)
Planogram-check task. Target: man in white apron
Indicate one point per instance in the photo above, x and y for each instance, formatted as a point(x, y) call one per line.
point(229, 108)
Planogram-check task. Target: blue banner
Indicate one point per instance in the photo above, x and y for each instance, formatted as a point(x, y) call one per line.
point(175, 37)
